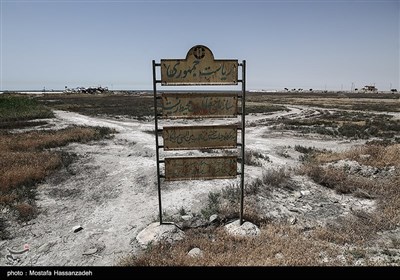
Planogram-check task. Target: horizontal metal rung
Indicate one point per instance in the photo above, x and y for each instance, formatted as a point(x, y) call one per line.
point(162, 176)
point(160, 146)
point(157, 64)
point(168, 223)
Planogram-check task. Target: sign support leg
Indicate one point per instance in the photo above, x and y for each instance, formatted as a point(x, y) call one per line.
point(156, 135)
point(243, 139)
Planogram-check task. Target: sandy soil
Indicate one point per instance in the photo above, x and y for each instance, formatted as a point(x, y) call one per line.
point(110, 191)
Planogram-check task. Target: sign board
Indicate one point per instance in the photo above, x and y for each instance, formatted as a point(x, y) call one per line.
point(187, 168)
point(199, 68)
point(194, 105)
point(200, 137)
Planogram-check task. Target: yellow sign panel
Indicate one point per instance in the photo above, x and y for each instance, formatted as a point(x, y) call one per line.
point(200, 137)
point(193, 105)
point(188, 168)
point(199, 68)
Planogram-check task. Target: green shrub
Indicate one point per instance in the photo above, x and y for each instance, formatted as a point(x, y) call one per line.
point(16, 108)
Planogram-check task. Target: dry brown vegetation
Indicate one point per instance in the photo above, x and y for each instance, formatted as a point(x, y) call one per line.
point(278, 244)
point(25, 160)
point(283, 244)
point(362, 226)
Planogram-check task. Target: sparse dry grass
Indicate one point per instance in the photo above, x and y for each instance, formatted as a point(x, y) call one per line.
point(284, 245)
point(49, 139)
point(25, 168)
point(24, 161)
point(361, 227)
point(278, 178)
point(226, 202)
point(373, 155)
point(327, 177)
point(277, 245)
point(377, 155)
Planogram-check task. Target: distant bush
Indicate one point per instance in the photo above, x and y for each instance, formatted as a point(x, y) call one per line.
point(352, 130)
point(4, 234)
point(278, 178)
point(25, 211)
point(264, 108)
point(232, 193)
point(213, 204)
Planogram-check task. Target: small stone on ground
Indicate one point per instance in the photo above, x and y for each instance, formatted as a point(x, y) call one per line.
point(195, 252)
point(155, 233)
point(246, 229)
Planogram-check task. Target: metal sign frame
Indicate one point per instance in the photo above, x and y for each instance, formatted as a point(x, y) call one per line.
point(215, 74)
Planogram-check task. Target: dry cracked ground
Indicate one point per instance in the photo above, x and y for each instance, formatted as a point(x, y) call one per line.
point(110, 191)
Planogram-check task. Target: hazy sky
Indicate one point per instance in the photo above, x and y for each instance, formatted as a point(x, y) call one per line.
point(294, 44)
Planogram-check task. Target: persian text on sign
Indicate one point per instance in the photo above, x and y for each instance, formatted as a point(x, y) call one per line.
point(188, 168)
point(192, 105)
point(197, 137)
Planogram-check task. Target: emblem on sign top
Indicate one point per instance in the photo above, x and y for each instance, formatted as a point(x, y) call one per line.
point(199, 52)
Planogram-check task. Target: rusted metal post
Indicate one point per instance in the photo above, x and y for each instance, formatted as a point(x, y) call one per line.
point(156, 135)
point(243, 64)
